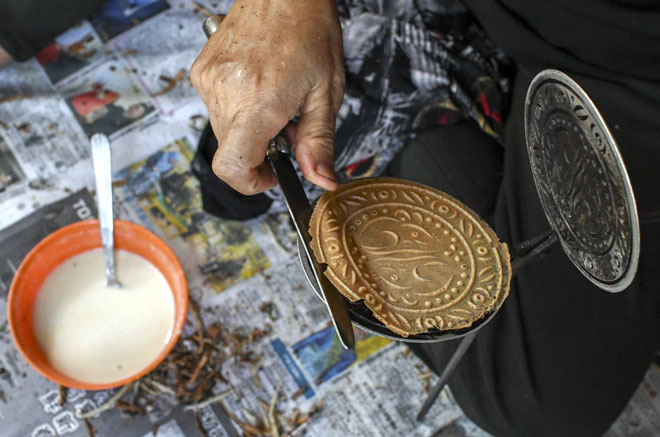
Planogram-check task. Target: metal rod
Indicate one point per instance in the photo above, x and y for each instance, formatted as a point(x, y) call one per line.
point(446, 373)
point(527, 245)
point(211, 24)
point(533, 247)
point(536, 251)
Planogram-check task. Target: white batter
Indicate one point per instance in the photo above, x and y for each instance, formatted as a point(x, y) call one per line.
point(100, 334)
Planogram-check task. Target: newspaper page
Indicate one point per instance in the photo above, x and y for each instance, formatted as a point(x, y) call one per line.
point(641, 417)
point(43, 151)
point(258, 354)
point(104, 75)
point(175, 33)
point(251, 280)
point(295, 360)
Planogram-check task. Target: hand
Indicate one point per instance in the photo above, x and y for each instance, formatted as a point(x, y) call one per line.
point(268, 62)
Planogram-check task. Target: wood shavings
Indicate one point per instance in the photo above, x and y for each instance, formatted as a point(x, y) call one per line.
point(270, 422)
point(248, 430)
point(147, 387)
point(268, 308)
point(203, 9)
point(256, 367)
point(251, 418)
point(201, 363)
point(310, 414)
point(91, 431)
point(172, 82)
point(63, 391)
point(294, 419)
point(274, 426)
point(199, 325)
point(130, 408)
point(12, 98)
point(192, 371)
point(301, 420)
point(188, 373)
point(110, 403)
point(197, 122)
point(426, 376)
point(161, 387)
point(209, 401)
point(257, 334)
point(264, 408)
point(299, 392)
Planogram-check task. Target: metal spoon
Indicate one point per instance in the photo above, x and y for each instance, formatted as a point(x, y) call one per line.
point(102, 161)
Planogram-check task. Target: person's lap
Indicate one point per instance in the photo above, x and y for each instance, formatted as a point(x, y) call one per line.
point(458, 159)
point(562, 356)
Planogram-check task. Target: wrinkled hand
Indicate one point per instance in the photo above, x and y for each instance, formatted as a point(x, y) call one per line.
point(268, 62)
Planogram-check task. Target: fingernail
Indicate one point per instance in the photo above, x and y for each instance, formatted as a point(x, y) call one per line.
point(325, 169)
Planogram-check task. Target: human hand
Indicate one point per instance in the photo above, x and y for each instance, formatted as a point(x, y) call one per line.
point(266, 63)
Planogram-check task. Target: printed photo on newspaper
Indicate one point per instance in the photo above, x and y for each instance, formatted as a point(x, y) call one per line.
point(106, 99)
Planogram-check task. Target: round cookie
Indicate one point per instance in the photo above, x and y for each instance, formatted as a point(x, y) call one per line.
point(418, 258)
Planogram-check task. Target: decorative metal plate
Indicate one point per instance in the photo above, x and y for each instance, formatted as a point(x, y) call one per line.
point(582, 181)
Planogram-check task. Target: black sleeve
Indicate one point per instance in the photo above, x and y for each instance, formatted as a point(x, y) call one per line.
point(27, 26)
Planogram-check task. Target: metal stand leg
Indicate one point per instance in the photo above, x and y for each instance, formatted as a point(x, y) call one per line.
point(535, 251)
point(527, 251)
point(446, 373)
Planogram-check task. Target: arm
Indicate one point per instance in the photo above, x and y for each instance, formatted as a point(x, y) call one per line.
point(268, 62)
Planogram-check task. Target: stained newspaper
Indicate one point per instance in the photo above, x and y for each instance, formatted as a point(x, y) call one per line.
point(278, 368)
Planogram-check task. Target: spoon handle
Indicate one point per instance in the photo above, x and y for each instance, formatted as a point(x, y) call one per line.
point(102, 161)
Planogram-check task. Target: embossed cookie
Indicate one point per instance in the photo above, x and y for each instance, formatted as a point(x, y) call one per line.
point(418, 258)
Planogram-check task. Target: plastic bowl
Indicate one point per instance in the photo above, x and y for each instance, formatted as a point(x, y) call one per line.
point(65, 243)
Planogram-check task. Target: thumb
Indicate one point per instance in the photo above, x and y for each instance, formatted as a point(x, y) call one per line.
point(315, 138)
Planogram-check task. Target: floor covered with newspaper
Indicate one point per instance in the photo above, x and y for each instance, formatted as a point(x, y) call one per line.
point(258, 355)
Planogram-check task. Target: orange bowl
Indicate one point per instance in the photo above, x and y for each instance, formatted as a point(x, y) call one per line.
point(65, 243)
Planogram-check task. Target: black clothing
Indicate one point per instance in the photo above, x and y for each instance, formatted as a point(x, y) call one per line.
point(218, 198)
point(563, 357)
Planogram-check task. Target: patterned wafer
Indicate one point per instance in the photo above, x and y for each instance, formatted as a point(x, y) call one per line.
point(418, 258)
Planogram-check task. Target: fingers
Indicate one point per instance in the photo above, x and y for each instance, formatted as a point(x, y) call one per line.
point(315, 138)
point(239, 160)
point(251, 94)
point(290, 132)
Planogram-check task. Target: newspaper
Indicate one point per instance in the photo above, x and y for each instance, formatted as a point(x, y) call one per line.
point(300, 351)
point(130, 80)
point(42, 148)
point(641, 417)
point(124, 72)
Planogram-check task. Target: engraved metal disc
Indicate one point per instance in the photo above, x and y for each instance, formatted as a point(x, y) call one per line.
point(582, 181)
